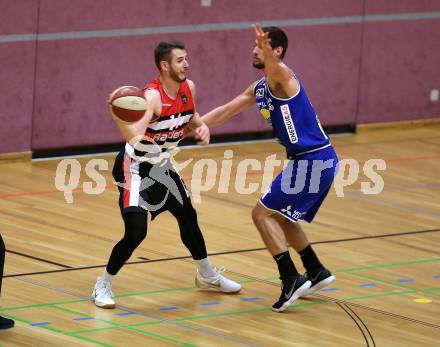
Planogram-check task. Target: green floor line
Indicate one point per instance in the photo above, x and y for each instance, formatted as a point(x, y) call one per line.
point(92, 341)
point(77, 313)
point(214, 315)
point(415, 262)
point(248, 281)
point(55, 330)
point(82, 314)
point(379, 295)
point(433, 288)
point(296, 305)
point(121, 326)
point(133, 325)
point(85, 331)
point(21, 320)
point(163, 337)
point(236, 313)
point(430, 289)
point(381, 281)
point(42, 305)
point(158, 291)
point(245, 281)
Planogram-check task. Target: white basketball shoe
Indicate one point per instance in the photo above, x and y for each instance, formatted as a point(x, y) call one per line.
point(102, 294)
point(218, 282)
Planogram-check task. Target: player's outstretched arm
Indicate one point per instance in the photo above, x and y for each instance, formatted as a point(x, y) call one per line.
point(275, 70)
point(135, 131)
point(222, 113)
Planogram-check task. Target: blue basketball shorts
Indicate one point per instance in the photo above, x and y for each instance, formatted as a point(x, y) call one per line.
point(299, 190)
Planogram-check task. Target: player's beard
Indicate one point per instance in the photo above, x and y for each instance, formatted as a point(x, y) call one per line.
point(175, 76)
point(258, 64)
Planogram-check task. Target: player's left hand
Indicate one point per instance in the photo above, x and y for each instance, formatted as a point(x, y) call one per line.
point(202, 135)
point(261, 38)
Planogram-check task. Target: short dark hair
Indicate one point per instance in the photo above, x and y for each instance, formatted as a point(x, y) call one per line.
point(164, 49)
point(278, 38)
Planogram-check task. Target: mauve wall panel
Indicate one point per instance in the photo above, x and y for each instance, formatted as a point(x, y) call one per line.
point(75, 76)
point(81, 73)
point(401, 6)
point(17, 68)
point(74, 79)
point(18, 16)
point(400, 67)
point(326, 59)
point(17, 61)
point(78, 15)
point(221, 67)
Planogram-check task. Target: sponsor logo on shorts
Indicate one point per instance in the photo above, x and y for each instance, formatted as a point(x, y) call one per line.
point(294, 214)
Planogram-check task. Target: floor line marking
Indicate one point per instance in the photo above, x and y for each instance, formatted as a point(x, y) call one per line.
point(159, 291)
point(296, 304)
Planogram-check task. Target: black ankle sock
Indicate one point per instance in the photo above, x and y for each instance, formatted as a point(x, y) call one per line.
point(285, 265)
point(310, 260)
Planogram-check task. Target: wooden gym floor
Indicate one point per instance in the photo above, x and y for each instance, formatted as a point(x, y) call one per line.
point(384, 250)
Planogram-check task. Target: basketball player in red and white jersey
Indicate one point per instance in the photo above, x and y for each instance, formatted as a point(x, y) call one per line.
point(148, 181)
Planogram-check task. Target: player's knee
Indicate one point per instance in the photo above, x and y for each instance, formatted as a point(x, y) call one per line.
point(190, 211)
point(257, 215)
point(186, 214)
point(135, 228)
point(137, 236)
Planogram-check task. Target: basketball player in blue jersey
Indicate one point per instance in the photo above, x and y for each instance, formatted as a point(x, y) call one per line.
point(283, 102)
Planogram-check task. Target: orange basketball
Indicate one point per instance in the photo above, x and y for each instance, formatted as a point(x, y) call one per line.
point(127, 104)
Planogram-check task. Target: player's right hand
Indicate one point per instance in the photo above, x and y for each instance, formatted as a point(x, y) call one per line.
point(203, 135)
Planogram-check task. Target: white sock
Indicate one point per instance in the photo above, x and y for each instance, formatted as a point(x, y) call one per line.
point(107, 277)
point(205, 267)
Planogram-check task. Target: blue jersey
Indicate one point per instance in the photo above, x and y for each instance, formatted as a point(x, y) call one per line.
point(294, 120)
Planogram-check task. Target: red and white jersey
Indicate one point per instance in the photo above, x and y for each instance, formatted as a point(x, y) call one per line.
point(165, 132)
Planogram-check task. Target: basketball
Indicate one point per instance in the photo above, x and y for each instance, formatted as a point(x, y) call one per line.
point(127, 104)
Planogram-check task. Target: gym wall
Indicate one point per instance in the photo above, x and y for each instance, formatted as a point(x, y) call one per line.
point(360, 61)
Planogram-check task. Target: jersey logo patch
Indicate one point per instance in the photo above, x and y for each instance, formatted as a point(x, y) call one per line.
point(259, 93)
point(288, 122)
point(184, 99)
